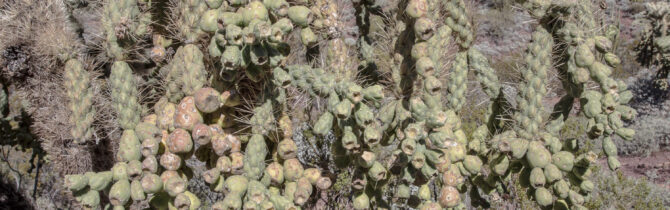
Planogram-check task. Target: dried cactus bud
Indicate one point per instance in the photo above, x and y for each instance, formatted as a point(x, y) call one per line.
point(367, 159)
point(300, 15)
point(170, 161)
point(150, 147)
point(76, 182)
point(416, 8)
point(538, 155)
point(237, 163)
point(224, 164)
point(119, 194)
point(220, 144)
point(211, 176)
point(275, 172)
point(175, 186)
point(166, 112)
point(287, 149)
point(449, 197)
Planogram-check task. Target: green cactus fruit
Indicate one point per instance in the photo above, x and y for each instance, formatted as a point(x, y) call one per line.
point(583, 56)
point(609, 147)
point(232, 202)
point(287, 149)
point(100, 180)
point(424, 28)
point(119, 171)
point(613, 163)
point(146, 130)
point(151, 183)
point(323, 183)
point(603, 44)
point(372, 135)
point(373, 93)
point(124, 95)
point(349, 139)
point(89, 199)
point(209, 20)
point(408, 146)
point(308, 37)
point(237, 163)
point(418, 159)
point(582, 173)
point(402, 191)
point(214, 4)
point(449, 197)
point(255, 10)
point(284, 24)
point(237, 185)
point(537, 178)
point(586, 186)
point(76, 182)
point(281, 202)
point(214, 48)
point(136, 191)
point(292, 170)
point(254, 160)
point(500, 166)
point(563, 160)
point(343, 109)
point(424, 192)
point(377, 172)
point(289, 190)
point(219, 185)
point(275, 172)
point(416, 8)
point(363, 114)
point(456, 153)
point(303, 191)
point(175, 185)
point(625, 133)
point(543, 196)
point(119, 194)
point(312, 174)
point(575, 198)
point(134, 169)
point(187, 200)
point(419, 50)
point(552, 173)
point(324, 124)
point(473, 164)
point(538, 155)
point(300, 15)
point(211, 176)
point(361, 201)
point(425, 66)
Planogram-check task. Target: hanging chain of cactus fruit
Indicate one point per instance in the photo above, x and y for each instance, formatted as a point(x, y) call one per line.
point(227, 48)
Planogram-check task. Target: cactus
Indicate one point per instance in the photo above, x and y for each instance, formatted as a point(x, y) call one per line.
point(124, 95)
point(77, 84)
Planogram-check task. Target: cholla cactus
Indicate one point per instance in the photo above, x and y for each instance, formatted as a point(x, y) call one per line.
point(391, 143)
point(77, 85)
point(124, 24)
point(654, 49)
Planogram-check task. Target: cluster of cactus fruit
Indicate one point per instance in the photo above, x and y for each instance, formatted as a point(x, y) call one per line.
point(654, 49)
point(257, 166)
